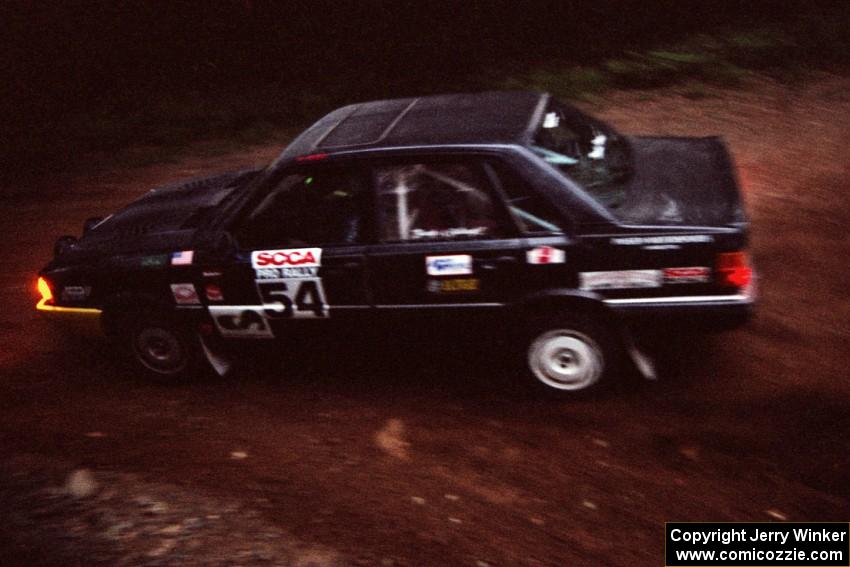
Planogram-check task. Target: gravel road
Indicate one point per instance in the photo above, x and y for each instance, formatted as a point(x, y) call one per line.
point(385, 458)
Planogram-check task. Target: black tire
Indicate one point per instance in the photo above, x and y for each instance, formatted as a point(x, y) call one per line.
point(570, 356)
point(164, 350)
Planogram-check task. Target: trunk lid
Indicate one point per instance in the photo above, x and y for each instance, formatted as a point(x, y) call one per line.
point(681, 181)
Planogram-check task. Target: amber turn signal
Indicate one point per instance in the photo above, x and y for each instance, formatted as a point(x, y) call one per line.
point(46, 293)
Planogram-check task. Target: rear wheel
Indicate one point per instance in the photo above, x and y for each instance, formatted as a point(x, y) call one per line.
point(570, 355)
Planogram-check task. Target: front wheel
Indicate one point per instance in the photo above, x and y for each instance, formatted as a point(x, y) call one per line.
point(163, 350)
point(167, 351)
point(569, 356)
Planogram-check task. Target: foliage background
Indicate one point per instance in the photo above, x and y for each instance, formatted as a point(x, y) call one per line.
point(100, 76)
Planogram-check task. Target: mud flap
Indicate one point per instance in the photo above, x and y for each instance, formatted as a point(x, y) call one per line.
point(217, 361)
point(642, 361)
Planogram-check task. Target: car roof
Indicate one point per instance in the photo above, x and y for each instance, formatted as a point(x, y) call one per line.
point(495, 117)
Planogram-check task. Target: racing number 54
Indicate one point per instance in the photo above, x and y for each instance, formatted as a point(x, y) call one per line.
point(293, 298)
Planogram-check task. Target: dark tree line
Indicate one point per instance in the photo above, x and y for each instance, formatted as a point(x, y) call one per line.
point(83, 51)
point(61, 58)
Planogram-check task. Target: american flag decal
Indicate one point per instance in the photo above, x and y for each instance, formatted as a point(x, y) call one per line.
point(182, 258)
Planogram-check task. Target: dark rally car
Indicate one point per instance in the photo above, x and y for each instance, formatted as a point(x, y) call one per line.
point(508, 208)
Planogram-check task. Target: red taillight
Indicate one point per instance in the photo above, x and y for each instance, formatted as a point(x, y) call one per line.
point(45, 291)
point(733, 269)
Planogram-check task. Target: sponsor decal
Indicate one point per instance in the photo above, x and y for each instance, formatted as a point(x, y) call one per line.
point(75, 293)
point(418, 233)
point(212, 274)
point(662, 247)
point(454, 285)
point(454, 265)
point(289, 284)
point(182, 258)
point(213, 292)
point(281, 273)
point(153, 261)
point(695, 274)
point(185, 294)
point(298, 257)
point(293, 298)
point(545, 255)
point(242, 321)
point(669, 239)
point(141, 262)
point(620, 279)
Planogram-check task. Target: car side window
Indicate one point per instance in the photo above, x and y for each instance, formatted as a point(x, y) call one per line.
point(437, 201)
point(533, 213)
point(307, 208)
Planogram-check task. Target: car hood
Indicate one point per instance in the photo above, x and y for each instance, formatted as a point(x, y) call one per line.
point(681, 181)
point(164, 218)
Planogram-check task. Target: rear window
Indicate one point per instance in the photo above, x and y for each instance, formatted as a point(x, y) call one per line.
point(587, 151)
point(531, 211)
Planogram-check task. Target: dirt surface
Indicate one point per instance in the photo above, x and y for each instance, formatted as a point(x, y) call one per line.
point(393, 459)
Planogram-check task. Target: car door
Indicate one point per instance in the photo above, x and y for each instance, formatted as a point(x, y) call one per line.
point(445, 239)
point(300, 257)
point(551, 251)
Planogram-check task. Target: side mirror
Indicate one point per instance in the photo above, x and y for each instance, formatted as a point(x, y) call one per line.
point(63, 244)
point(90, 223)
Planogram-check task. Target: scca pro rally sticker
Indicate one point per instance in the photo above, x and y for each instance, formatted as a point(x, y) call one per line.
point(545, 255)
point(289, 284)
point(297, 257)
point(454, 265)
point(621, 279)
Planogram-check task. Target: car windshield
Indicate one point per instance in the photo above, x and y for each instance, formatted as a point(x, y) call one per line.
point(589, 152)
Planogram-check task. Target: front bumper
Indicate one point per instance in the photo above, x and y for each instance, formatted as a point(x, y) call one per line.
point(80, 320)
